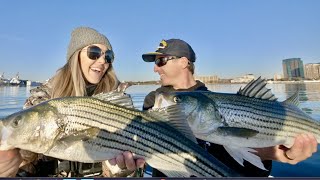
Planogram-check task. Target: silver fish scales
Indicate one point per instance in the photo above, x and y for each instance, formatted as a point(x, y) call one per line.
point(251, 118)
point(87, 129)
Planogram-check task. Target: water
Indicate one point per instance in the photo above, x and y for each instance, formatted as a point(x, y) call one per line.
point(13, 98)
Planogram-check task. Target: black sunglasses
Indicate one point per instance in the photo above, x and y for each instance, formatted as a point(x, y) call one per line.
point(163, 60)
point(94, 53)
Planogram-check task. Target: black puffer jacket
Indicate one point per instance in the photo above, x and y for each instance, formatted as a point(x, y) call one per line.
point(216, 150)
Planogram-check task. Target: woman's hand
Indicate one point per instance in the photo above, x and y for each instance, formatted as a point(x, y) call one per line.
point(9, 162)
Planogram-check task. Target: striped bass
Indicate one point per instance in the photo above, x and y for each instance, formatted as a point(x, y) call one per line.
point(252, 118)
point(88, 129)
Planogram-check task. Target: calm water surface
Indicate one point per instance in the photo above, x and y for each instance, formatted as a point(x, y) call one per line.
point(13, 98)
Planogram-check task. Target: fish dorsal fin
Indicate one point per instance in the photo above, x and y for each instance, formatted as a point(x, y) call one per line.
point(173, 115)
point(294, 99)
point(117, 96)
point(123, 86)
point(257, 89)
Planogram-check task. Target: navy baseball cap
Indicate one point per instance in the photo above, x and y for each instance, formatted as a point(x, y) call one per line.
point(171, 47)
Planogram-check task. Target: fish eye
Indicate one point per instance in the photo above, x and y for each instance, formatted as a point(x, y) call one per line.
point(176, 99)
point(16, 121)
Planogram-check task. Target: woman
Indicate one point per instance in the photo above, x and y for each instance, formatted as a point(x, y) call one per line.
point(88, 71)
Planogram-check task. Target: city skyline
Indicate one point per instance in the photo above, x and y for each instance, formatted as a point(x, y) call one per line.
point(308, 68)
point(231, 38)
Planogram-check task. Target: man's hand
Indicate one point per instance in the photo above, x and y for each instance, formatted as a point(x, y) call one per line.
point(126, 165)
point(304, 146)
point(9, 162)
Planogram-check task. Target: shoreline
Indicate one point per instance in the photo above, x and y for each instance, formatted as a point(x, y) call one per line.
point(293, 82)
point(268, 82)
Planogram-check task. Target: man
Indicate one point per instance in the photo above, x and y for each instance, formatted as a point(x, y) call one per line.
point(174, 62)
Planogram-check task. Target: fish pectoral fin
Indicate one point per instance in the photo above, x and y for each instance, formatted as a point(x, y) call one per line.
point(243, 153)
point(174, 116)
point(237, 132)
point(64, 141)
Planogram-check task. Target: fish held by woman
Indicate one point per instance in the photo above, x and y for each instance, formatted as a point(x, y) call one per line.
point(89, 129)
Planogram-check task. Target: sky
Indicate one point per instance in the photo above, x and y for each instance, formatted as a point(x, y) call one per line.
point(231, 38)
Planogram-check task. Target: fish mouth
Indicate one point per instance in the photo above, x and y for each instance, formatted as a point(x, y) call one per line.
point(5, 134)
point(162, 100)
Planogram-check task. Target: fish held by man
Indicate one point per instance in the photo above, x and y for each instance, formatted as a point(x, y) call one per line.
point(252, 118)
point(87, 129)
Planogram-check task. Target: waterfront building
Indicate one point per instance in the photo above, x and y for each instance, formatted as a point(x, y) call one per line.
point(312, 71)
point(277, 77)
point(244, 79)
point(207, 79)
point(293, 69)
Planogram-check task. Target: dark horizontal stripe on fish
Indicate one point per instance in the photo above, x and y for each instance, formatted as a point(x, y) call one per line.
point(164, 140)
point(242, 114)
point(271, 111)
point(129, 146)
point(262, 105)
point(273, 130)
point(138, 112)
point(204, 160)
point(114, 107)
point(190, 164)
point(135, 116)
point(272, 116)
point(162, 146)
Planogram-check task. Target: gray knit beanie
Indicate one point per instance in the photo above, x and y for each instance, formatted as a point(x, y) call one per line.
point(84, 36)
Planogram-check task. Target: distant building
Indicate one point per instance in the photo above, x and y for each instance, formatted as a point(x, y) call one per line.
point(293, 69)
point(277, 77)
point(207, 79)
point(2, 79)
point(244, 79)
point(312, 71)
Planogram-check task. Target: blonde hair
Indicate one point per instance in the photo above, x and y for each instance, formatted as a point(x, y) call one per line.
point(69, 80)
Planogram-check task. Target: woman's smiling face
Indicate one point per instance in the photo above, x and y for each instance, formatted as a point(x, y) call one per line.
point(93, 70)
